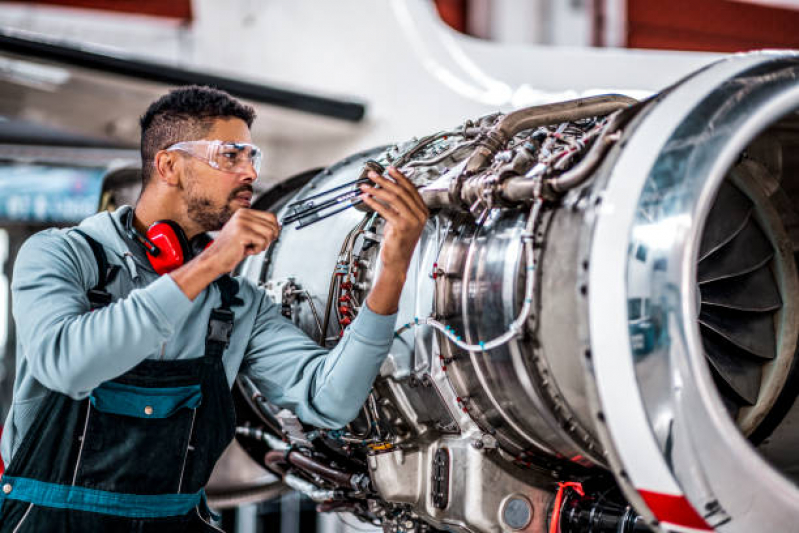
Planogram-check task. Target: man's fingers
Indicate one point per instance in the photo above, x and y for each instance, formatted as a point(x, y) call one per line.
point(263, 223)
point(254, 244)
point(384, 211)
point(407, 190)
point(390, 198)
point(268, 230)
point(403, 190)
point(408, 185)
point(384, 182)
point(261, 217)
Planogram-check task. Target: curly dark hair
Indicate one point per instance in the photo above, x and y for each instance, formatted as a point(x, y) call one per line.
point(185, 114)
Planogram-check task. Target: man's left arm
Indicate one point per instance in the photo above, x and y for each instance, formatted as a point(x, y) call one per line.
point(322, 388)
point(328, 389)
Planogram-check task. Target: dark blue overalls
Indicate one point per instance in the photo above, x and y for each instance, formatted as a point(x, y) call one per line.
point(136, 454)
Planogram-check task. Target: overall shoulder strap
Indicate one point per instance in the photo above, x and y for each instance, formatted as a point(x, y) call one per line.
point(220, 325)
point(98, 296)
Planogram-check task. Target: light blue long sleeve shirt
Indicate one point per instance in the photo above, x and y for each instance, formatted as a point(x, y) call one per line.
point(64, 347)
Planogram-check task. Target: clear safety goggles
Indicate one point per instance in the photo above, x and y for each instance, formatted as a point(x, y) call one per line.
point(221, 155)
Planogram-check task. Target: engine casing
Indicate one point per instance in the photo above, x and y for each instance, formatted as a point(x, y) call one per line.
point(605, 297)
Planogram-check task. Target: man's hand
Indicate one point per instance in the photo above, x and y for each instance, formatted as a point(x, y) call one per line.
point(400, 204)
point(248, 232)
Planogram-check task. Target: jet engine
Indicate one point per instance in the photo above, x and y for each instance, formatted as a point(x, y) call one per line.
point(598, 331)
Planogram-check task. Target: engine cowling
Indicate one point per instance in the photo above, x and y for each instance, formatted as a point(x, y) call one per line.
point(598, 329)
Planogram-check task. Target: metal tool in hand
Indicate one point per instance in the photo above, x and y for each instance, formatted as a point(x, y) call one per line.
point(331, 201)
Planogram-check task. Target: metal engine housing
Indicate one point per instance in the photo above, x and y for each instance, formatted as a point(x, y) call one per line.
point(600, 317)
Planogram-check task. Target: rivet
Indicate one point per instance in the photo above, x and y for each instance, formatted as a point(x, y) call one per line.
point(148, 410)
point(7, 488)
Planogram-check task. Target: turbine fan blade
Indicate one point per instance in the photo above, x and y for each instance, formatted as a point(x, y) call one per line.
point(726, 219)
point(741, 376)
point(748, 251)
point(756, 292)
point(751, 332)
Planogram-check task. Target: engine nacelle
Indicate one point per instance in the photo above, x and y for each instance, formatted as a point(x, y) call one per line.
point(598, 329)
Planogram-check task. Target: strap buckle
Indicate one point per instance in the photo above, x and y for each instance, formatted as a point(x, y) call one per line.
point(98, 298)
point(220, 326)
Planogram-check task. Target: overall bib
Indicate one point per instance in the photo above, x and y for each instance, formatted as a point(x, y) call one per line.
point(136, 454)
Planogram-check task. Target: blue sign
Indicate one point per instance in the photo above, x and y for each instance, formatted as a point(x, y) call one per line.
point(40, 193)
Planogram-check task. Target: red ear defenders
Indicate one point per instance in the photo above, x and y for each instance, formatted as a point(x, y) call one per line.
point(166, 245)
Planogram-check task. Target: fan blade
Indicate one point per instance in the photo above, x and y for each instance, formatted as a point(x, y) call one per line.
point(726, 219)
point(756, 292)
point(751, 332)
point(748, 251)
point(742, 376)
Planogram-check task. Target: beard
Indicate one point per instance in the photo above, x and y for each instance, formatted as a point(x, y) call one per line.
point(205, 213)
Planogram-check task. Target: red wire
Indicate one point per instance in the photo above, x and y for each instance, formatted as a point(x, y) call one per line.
point(554, 524)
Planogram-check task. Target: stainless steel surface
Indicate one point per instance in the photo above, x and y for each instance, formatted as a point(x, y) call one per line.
point(404, 477)
point(565, 333)
point(674, 163)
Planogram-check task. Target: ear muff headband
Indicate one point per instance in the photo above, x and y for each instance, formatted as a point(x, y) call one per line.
point(134, 235)
point(166, 245)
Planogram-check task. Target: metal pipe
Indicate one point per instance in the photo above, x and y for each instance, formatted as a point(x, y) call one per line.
point(313, 310)
point(254, 397)
point(303, 462)
point(543, 115)
point(441, 157)
point(521, 188)
point(585, 168)
point(275, 459)
point(259, 434)
point(309, 489)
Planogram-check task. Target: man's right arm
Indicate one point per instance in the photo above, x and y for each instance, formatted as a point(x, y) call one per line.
point(68, 348)
point(247, 233)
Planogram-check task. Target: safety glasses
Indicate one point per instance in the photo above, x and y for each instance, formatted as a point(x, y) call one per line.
point(230, 157)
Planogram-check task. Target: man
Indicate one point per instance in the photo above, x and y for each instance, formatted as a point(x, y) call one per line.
point(122, 396)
